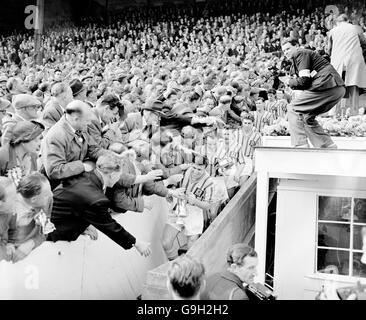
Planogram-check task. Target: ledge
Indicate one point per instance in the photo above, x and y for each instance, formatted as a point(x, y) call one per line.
point(310, 161)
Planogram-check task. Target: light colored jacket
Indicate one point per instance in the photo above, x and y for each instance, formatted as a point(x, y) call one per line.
point(63, 152)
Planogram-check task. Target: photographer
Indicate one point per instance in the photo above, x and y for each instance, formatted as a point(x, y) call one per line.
point(241, 269)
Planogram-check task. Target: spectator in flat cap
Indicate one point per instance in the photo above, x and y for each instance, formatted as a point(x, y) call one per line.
point(87, 80)
point(67, 145)
point(55, 108)
point(22, 150)
point(78, 89)
point(106, 112)
point(118, 84)
point(27, 107)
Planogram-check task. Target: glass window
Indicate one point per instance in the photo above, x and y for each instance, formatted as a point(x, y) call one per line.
point(334, 208)
point(341, 236)
point(333, 235)
point(333, 261)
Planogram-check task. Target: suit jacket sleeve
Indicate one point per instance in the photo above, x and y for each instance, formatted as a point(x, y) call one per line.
point(55, 162)
point(127, 203)
point(302, 61)
point(97, 215)
point(94, 150)
point(100, 139)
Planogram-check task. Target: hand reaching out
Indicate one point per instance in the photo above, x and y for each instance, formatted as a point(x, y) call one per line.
point(143, 248)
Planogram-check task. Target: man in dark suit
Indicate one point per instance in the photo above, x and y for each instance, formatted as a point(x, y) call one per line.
point(81, 202)
point(100, 126)
point(320, 89)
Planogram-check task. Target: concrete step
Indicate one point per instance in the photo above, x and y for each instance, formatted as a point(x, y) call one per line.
point(156, 278)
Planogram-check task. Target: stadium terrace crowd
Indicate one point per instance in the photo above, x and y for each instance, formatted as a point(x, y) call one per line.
point(167, 102)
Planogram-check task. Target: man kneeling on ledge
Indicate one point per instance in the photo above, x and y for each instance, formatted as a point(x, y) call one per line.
point(80, 202)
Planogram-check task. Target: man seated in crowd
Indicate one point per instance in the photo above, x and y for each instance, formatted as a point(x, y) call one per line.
point(186, 278)
point(19, 157)
point(102, 128)
point(27, 107)
point(230, 284)
point(55, 108)
point(81, 201)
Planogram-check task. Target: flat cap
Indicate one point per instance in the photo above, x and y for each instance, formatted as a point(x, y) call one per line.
point(25, 100)
point(25, 131)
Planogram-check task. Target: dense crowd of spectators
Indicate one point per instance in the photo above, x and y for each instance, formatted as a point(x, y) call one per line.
point(170, 102)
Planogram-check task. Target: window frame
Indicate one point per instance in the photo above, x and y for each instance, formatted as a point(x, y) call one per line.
point(350, 223)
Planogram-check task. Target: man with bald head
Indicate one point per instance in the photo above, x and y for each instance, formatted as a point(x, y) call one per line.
point(66, 146)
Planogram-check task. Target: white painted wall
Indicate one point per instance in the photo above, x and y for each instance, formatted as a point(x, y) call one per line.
point(86, 269)
point(294, 270)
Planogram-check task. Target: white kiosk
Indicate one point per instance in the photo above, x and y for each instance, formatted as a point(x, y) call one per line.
point(320, 218)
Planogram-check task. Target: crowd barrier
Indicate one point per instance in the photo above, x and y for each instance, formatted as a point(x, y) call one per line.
point(234, 224)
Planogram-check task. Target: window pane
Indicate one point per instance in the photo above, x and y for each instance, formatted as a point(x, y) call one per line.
point(333, 235)
point(357, 237)
point(360, 210)
point(333, 261)
point(359, 268)
point(334, 208)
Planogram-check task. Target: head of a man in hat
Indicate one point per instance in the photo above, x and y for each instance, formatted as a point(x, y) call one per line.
point(225, 102)
point(27, 137)
point(226, 167)
point(119, 83)
point(87, 80)
point(152, 112)
point(27, 106)
point(78, 89)
point(271, 95)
